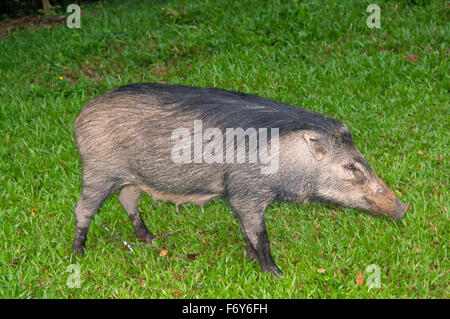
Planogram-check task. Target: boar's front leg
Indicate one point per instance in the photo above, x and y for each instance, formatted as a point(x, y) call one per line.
point(129, 197)
point(257, 240)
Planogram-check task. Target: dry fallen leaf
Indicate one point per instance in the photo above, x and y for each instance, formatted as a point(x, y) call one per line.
point(412, 58)
point(192, 256)
point(359, 278)
point(163, 252)
point(420, 152)
point(176, 292)
point(321, 270)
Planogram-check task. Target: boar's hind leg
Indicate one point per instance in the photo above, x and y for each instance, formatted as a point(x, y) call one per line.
point(129, 197)
point(249, 250)
point(254, 230)
point(88, 204)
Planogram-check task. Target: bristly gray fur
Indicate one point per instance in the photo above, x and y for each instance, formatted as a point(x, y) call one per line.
point(124, 141)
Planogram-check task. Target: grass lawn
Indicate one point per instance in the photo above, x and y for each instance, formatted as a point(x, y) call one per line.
point(389, 85)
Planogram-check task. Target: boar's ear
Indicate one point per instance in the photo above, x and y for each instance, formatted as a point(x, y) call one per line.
point(317, 148)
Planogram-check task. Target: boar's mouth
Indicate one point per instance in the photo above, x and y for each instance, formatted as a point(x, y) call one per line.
point(394, 210)
point(385, 203)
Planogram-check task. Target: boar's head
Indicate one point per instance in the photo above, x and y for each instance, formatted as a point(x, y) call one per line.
point(344, 178)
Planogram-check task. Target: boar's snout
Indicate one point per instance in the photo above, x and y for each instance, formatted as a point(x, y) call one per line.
point(384, 202)
point(401, 210)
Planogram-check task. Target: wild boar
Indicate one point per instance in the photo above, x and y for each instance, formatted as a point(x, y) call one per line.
point(190, 144)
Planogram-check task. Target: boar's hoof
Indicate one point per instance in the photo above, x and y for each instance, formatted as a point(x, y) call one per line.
point(78, 250)
point(146, 236)
point(274, 270)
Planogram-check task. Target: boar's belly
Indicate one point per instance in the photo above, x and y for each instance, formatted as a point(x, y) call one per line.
point(177, 199)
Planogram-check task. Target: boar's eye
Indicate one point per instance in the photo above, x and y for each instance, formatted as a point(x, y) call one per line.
point(350, 166)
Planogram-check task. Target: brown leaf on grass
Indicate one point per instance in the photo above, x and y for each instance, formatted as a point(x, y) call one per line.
point(192, 256)
point(359, 278)
point(412, 58)
point(88, 72)
point(434, 267)
point(176, 292)
point(321, 270)
point(163, 252)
